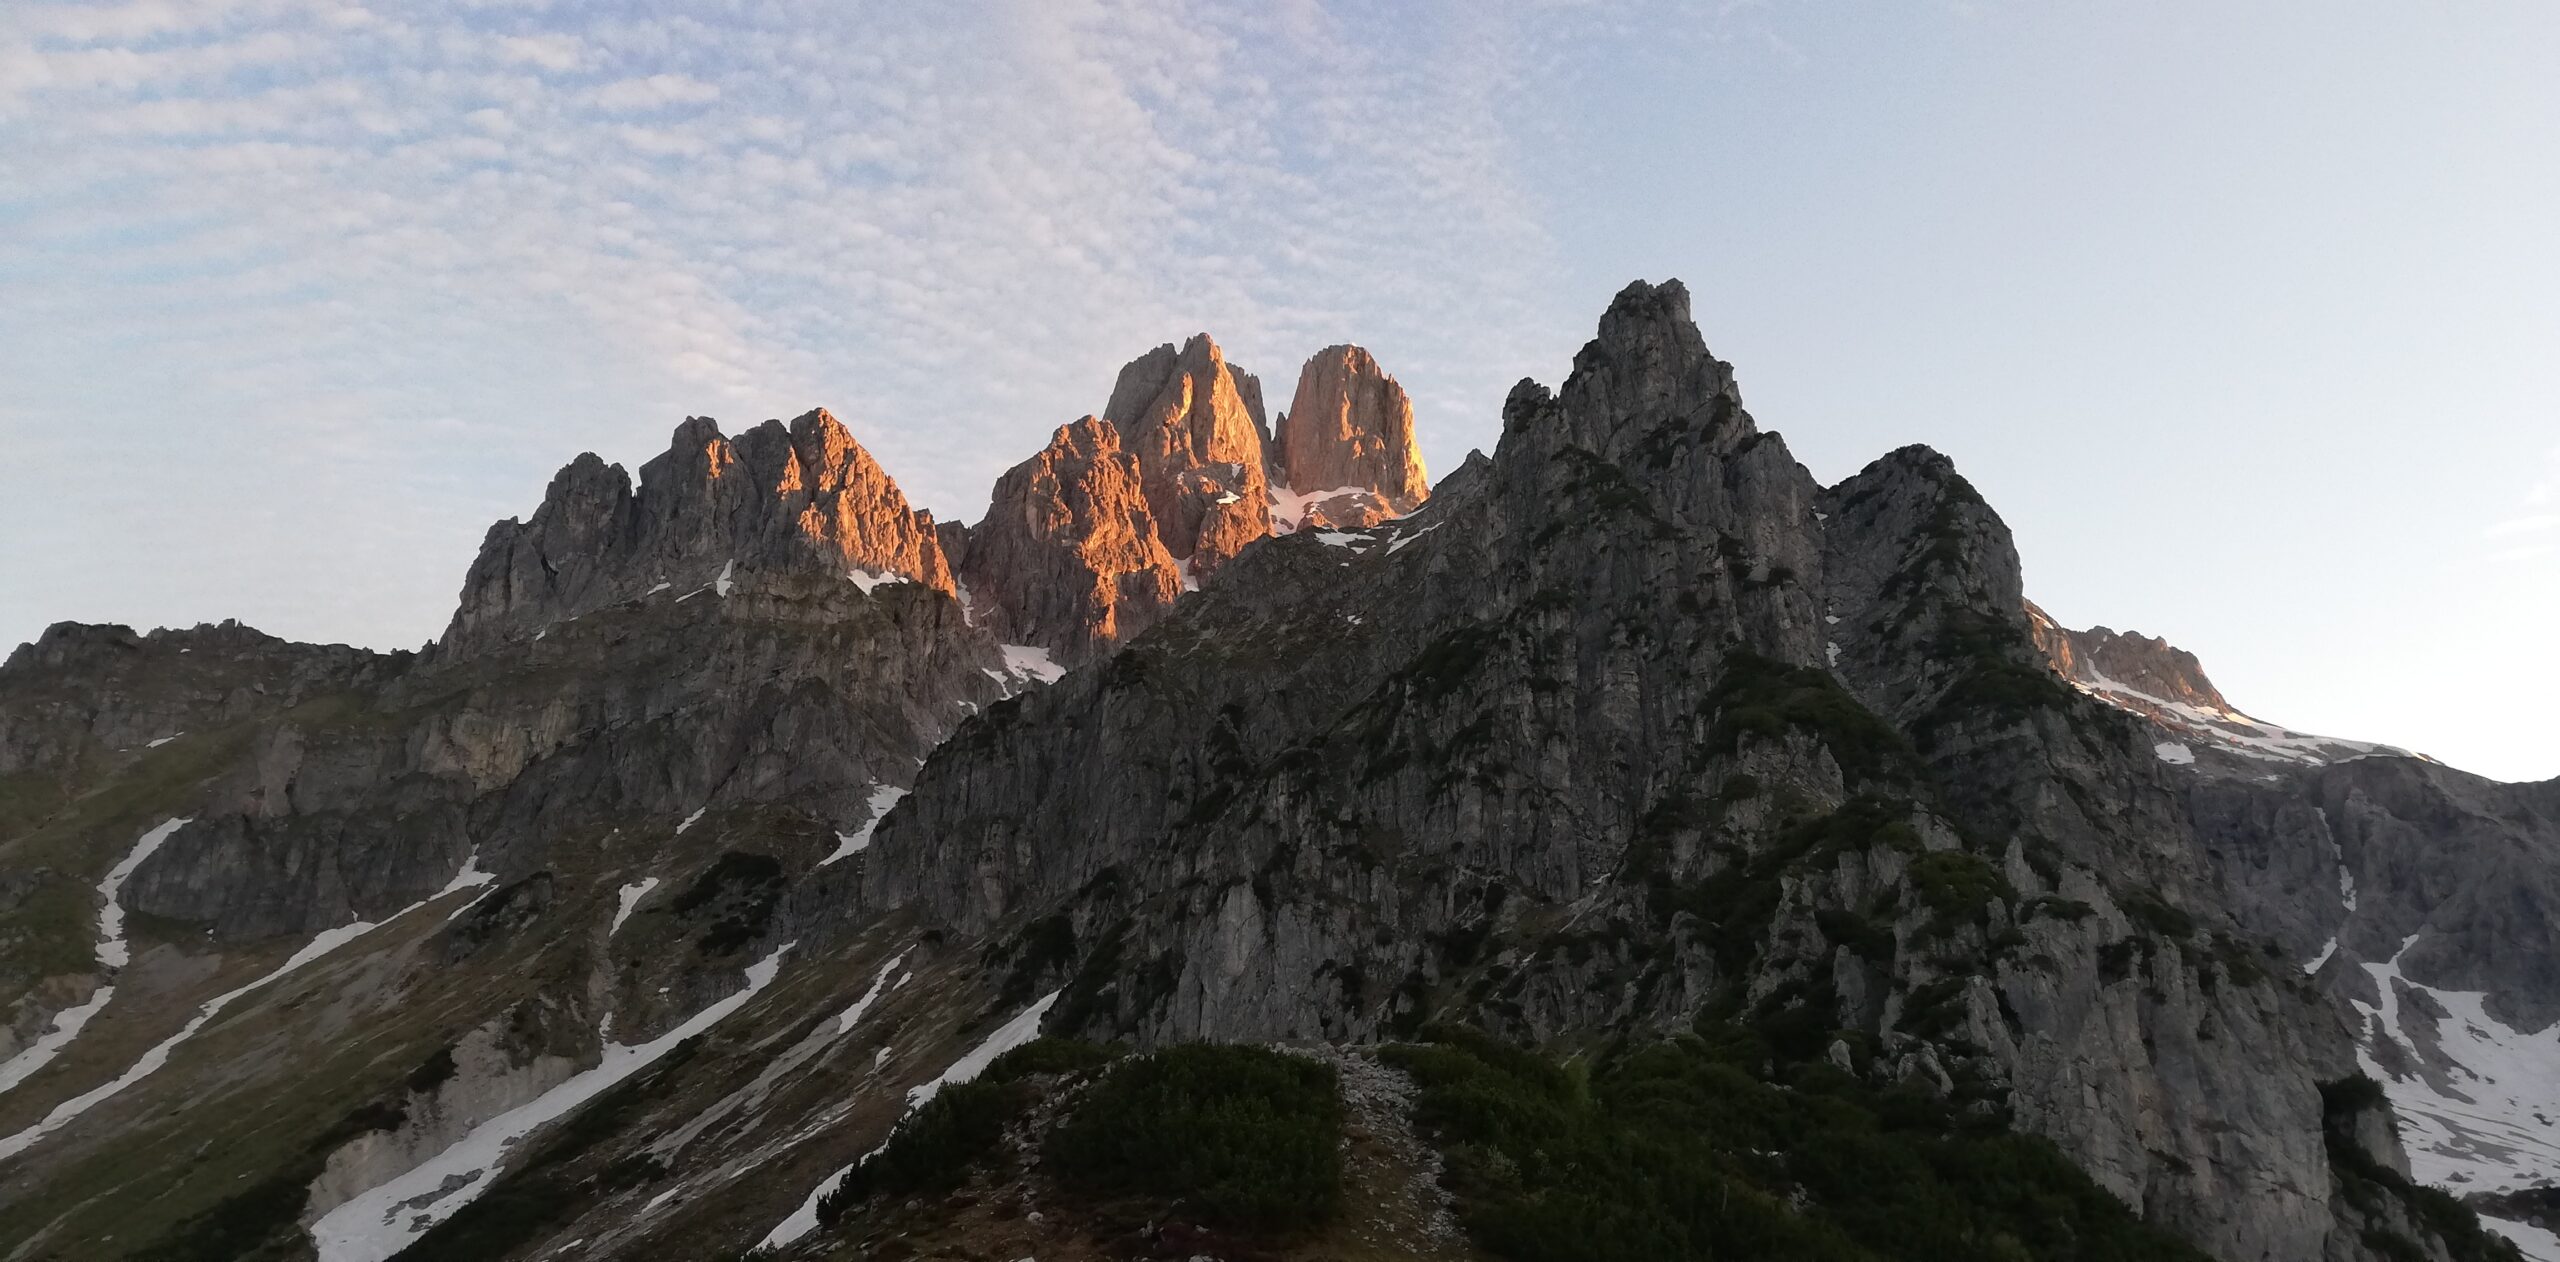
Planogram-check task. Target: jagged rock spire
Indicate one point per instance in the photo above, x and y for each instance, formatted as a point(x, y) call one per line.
point(1346, 444)
point(1195, 425)
point(1067, 556)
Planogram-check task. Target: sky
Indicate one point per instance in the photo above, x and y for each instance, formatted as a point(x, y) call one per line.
point(2246, 318)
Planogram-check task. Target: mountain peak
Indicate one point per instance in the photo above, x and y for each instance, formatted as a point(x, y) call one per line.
point(1648, 379)
point(1346, 444)
point(802, 495)
point(1067, 557)
point(1194, 422)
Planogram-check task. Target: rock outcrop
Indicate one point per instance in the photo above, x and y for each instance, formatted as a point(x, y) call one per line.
point(2098, 658)
point(1196, 426)
point(1347, 454)
point(2167, 685)
point(1068, 557)
point(83, 698)
point(776, 498)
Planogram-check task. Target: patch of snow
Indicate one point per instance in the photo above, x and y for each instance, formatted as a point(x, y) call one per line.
point(2346, 887)
point(1289, 508)
point(2230, 729)
point(629, 896)
point(1182, 570)
point(2175, 753)
point(1012, 1034)
point(2477, 1095)
point(162, 741)
point(151, 1061)
point(391, 1216)
point(883, 796)
point(1402, 539)
point(2534, 1242)
point(1341, 538)
point(2322, 958)
point(723, 583)
point(1831, 649)
point(691, 820)
point(470, 877)
point(1831, 620)
point(663, 585)
point(1027, 662)
point(851, 1017)
point(112, 954)
point(869, 581)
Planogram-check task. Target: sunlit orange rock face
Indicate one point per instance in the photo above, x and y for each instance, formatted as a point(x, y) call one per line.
point(1068, 556)
point(1347, 441)
point(1195, 425)
point(801, 496)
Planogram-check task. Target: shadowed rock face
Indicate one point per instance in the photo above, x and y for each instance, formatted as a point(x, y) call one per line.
point(1067, 557)
point(1589, 674)
point(1632, 730)
point(1350, 427)
point(800, 497)
point(1195, 425)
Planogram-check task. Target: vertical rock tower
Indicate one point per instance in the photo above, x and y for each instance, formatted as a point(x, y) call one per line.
point(1347, 455)
point(1196, 426)
point(1068, 556)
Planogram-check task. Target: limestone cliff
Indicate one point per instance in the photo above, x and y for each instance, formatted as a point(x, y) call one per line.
point(1195, 425)
point(1068, 557)
point(1347, 450)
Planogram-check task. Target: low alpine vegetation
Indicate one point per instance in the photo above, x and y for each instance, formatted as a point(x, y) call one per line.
point(1685, 1150)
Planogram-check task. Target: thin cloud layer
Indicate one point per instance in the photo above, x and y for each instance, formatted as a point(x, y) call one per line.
point(329, 257)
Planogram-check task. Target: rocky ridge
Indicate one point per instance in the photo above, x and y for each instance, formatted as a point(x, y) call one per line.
point(773, 498)
point(1257, 840)
point(2167, 685)
point(625, 940)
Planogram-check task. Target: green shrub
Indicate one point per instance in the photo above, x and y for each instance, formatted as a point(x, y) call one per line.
point(934, 1149)
point(1239, 1137)
point(1952, 883)
point(1680, 1150)
point(1762, 697)
point(2156, 915)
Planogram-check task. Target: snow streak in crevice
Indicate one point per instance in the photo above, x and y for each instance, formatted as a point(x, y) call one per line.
point(390, 1217)
point(1012, 1034)
point(112, 954)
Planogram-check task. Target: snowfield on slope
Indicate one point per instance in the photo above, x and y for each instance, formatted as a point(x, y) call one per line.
point(1012, 1034)
point(328, 940)
point(112, 955)
point(391, 1216)
point(2480, 1112)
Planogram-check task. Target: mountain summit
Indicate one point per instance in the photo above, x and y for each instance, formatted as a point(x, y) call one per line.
point(1632, 845)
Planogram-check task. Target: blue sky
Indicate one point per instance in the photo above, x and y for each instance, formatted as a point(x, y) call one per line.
point(2243, 316)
